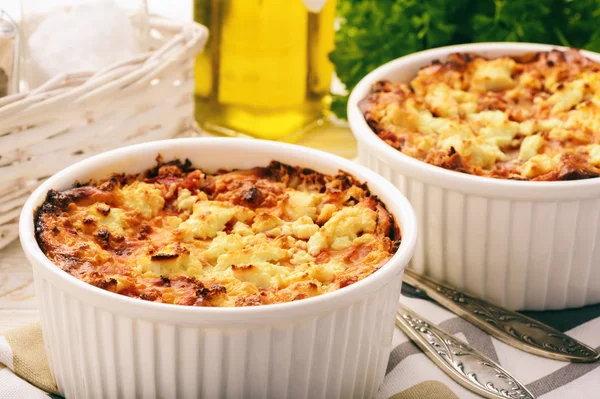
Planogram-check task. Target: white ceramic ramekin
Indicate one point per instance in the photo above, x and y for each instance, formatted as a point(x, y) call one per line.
point(523, 245)
point(103, 345)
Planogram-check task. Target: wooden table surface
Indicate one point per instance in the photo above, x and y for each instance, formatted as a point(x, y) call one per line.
point(18, 305)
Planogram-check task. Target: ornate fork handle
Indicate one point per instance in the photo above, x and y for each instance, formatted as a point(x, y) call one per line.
point(512, 328)
point(462, 363)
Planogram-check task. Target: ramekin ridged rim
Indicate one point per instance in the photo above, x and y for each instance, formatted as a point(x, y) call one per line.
point(396, 203)
point(478, 185)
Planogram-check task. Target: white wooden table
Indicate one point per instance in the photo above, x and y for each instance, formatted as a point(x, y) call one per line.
point(18, 305)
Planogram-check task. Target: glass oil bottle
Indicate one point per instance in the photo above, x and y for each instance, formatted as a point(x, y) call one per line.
point(265, 71)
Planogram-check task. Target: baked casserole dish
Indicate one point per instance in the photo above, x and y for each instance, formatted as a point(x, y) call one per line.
point(257, 269)
point(177, 234)
point(497, 146)
point(530, 117)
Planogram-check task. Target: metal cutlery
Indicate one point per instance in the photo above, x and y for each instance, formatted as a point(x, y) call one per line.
point(510, 327)
point(464, 364)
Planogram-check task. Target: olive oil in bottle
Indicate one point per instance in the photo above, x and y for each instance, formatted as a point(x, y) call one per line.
point(265, 71)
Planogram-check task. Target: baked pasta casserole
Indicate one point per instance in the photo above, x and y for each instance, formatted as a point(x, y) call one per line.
point(535, 117)
point(181, 235)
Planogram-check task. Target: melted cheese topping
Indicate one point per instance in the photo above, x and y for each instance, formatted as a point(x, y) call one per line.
point(532, 118)
point(249, 237)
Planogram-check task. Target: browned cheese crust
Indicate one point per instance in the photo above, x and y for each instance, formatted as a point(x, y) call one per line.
point(535, 117)
point(177, 234)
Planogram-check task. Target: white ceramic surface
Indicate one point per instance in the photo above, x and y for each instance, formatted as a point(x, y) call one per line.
point(523, 245)
point(103, 345)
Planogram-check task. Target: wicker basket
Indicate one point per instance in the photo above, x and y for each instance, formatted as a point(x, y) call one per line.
point(73, 116)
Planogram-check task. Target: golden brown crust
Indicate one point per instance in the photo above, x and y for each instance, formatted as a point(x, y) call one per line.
point(533, 117)
point(176, 234)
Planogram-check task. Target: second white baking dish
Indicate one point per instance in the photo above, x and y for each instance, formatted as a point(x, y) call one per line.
point(519, 244)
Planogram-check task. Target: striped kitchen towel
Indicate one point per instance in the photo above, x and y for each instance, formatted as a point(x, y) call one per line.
point(24, 372)
point(411, 375)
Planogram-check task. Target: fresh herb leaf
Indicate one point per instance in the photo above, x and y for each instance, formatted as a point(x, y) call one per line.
point(512, 21)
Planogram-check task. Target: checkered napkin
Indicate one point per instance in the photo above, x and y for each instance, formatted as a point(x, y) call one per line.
point(24, 372)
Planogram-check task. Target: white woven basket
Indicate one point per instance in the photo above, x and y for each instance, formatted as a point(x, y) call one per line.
point(73, 116)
